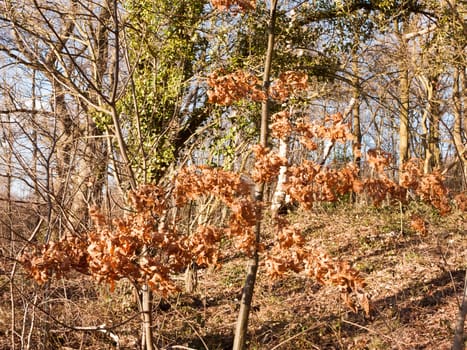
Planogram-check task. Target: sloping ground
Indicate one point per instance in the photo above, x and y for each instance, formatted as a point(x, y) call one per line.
point(414, 279)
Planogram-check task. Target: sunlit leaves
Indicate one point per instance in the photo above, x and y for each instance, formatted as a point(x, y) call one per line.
point(267, 164)
point(290, 253)
point(287, 84)
point(461, 201)
point(234, 5)
point(226, 89)
point(145, 247)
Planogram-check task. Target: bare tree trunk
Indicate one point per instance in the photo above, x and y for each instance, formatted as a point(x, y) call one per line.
point(357, 132)
point(404, 116)
point(9, 220)
point(460, 83)
point(458, 343)
point(433, 140)
point(434, 152)
point(404, 90)
point(252, 269)
point(278, 198)
point(147, 317)
point(430, 126)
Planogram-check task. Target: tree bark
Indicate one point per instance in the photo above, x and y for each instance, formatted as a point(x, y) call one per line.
point(458, 343)
point(460, 84)
point(357, 132)
point(430, 125)
point(147, 317)
point(404, 117)
point(404, 90)
point(252, 269)
point(278, 199)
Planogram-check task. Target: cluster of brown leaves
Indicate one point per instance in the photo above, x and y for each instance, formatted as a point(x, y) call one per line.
point(56, 257)
point(141, 246)
point(281, 126)
point(203, 245)
point(418, 224)
point(234, 190)
point(461, 201)
point(334, 130)
point(411, 173)
point(379, 186)
point(241, 5)
point(289, 253)
point(382, 188)
point(193, 182)
point(378, 160)
point(134, 246)
point(226, 89)
point(348, 280)
point(309, 182)
point(267, 164)
point(430, 187)
point(287, 84)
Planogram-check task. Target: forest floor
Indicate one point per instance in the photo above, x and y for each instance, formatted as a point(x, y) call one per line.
point(415, 280)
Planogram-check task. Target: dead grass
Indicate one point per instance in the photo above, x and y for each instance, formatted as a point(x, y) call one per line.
point(414, 279)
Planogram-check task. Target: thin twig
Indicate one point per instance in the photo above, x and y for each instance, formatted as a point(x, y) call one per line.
point(77, 328)
point(375, 332)
point(191, 326)
point(445, 262)
point(402, 218)
point(298, 334)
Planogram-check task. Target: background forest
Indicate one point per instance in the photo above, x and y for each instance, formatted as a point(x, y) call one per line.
point(233, 174)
